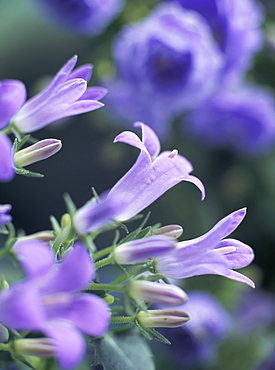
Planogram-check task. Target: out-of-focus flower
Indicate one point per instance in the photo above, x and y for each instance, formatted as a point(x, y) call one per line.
point(7, 171)
point(165, 63)
point(166, 318)
point(84, 17)
point(49, 299)
point(94, 215)
point(242, 119)
point(152, 174)
point(67, 95)
point(210, 253)
point(235, 26)
point(4, 218)
point(165, 294)
point(140, 249)
point(195, 343)
point(174, 231)
point(43, 149)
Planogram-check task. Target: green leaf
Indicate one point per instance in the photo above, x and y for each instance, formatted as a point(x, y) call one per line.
point(126, 351)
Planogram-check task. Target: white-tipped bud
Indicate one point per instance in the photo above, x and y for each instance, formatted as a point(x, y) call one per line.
point(165, 294)
point(174, 231)
point(37, 152)
point(41, 347)
point(167, 318)
point(45, 235)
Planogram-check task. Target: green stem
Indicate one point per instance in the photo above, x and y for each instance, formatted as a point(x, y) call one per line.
point(102, 253)
point(104, 262)
point(4, 252)
point(134, 272)
point(106, 287)
point(4, 347)
point(122, 319)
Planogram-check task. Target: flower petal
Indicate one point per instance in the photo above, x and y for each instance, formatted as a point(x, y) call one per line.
point(85, 72)
point(234, 275)
point(6, 159)
point(68, 342)
point(149, 139)
point(241, 257)
point(94, 93)
point(4, 218)
point(35, 256)
point(12, 97)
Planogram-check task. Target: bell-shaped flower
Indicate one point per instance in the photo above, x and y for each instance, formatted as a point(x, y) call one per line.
point(7, 171)
point(210, 253)
point(67, 95)
point(4, 217)
point(49, 299)
point(152, 174)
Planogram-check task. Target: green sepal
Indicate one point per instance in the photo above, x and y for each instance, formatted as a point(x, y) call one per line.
point(22, 171)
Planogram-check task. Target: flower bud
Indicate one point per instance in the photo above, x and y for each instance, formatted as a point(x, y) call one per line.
point(45, 235)
point(66, 221)
point(41, 347)
point(109, 299)
point(174, 231)
point(167, 318)
point(37, 152)
point(142, 249)
point(165, 294)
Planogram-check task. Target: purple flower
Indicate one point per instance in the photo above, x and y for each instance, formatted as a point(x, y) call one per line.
point(4, 218)
point(235, 26)
point(49, 301)
point(195, 343)
point(152, 174)
point(67, 95)
point(165, 63)
point(241, 119)
point(7, 171)
point(81, 16)
point(210, 253)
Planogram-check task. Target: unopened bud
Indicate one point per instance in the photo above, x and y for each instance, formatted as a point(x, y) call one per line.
point(41, 347)
point(37, 152)
point(167, 318)
point(165, 294)
point(109, 299)
point(45, 235)
point(66, 221)
point(3, 284)
point(174, 231)
point(142, 249)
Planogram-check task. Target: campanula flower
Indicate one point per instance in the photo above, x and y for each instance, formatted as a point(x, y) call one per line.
point(210, 253)
point(86, 18)
point(152, 174)
point(67, 95)
point(7, 171)
point(4, 217)
point(49, 299)
point(241, 119)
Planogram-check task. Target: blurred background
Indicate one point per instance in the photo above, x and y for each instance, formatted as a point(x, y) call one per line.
point(33, 47)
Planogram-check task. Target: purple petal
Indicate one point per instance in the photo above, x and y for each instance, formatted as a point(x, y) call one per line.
point(68, 341)
point(6, 159)
point(241, 257)
point(82, 106)
point(21, 308)
point(94, 93)
point(149, 139)
point(35, 256)
point(12, 97)
point(90, 314)
point(84, 72)
point(234, 275)
point(73, 274)
point(4, 218)
point(129, 137)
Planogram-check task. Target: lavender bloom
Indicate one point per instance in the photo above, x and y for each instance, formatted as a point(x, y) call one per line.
point(152, 174)
point(48, 300)
point(83, 17)
point(195, 343)
point(210, 253)
point(142, 249)
point(236, 28)
point(241, 119)
point(171, 56)
point(12, 97)
point(6, 159)
point(67, 95)
point(4, 218)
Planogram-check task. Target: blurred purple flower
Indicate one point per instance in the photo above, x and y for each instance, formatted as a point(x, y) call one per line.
point(7, 171)
point(210, 253)
point(4, 218)
point(152, 174)
point(67, 95)
point(195, 343)
point(84, 17)
point(48, 300)
point(235, 26)
point(165, 63)
point(242, 119)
